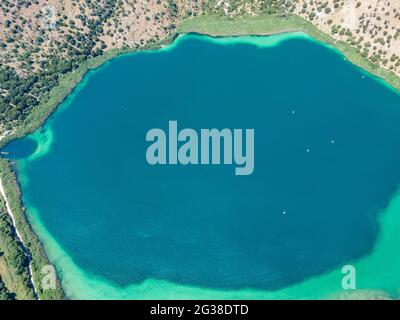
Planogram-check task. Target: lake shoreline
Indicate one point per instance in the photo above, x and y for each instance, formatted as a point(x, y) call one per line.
point(216, 26)
point(31, 243)
point(210, 25)
point(20, 239)
point(69, 83)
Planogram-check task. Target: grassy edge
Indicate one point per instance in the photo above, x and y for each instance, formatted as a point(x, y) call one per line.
point(55, 97)
point(215, 25)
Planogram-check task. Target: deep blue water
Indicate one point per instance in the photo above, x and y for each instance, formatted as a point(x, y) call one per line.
point(20, 149)
point(125, 220)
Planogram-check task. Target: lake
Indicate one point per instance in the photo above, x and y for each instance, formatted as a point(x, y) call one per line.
point(326, 163)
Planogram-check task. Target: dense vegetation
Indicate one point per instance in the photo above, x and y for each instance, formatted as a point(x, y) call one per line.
point(14, 275)
point(4, 293)
point(14, 251)
point(24, 90)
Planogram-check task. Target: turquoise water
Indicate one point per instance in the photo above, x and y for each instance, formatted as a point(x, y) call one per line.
point(326, 163)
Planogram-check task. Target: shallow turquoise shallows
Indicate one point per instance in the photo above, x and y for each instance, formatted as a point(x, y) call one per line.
point(327, 162)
